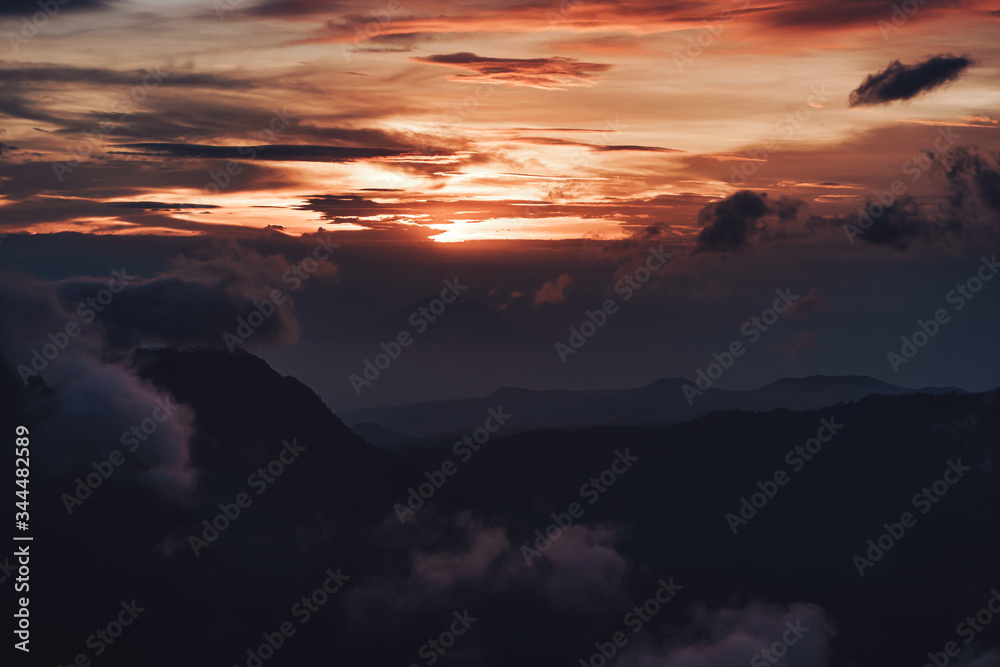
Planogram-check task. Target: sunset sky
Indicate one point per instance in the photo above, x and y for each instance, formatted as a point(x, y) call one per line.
point(702, 236)
point(847, 151)
point(473, 120)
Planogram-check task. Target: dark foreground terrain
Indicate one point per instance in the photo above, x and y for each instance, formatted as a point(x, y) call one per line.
point(651, 557)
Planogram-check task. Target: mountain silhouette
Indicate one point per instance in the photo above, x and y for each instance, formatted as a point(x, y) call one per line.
point(662, 401)
point(333, 511)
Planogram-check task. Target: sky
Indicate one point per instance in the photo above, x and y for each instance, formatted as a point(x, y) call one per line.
point(846, 151)
point(400, 201)
point(474, 120)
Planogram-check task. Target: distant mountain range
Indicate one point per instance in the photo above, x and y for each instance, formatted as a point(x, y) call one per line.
point(660, 402)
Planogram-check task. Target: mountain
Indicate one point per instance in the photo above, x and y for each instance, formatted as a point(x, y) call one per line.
point(329, 516)
point(737, 502)
point(830, 389)
point(328, 505)
point(662, 401)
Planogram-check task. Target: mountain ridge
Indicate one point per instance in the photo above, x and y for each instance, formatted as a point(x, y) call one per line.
point(661, 401)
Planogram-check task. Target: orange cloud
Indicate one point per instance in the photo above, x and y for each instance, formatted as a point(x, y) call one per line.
point(548, 73)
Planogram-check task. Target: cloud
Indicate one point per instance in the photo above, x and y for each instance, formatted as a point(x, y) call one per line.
point(30, 7)
point(555, 141)
point(34, 74)
point(809, 303)
point(903, 224)
point(830, 15)
point(298, 153)
point(464, 556)
point(733, 636)
point(157, 205)
point(88, 399)
point(173, 311)
point(973, 178)
point(608, 26)
point(549, 73)
point(904, 82)
point(585, 571)
point(553, 291)
point(650, 149)
point(729, 224)
point(726, 225)
point(989, 658)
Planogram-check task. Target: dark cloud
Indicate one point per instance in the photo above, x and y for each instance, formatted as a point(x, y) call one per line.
point(391, 43)
point(828, 14)
point(177, 312)
point(904, 82)
point(15, 106)
point(554, 141)
point(199, 298)
point(89, 399)
point(902, 224)
point(294, 8)
point(30, 7)
point(651, 149)
point(13, 73)
point(407, 216)
point(729, 224)
point(277, 152)
point(157, 205)
point(553, 72)
point(973, 177)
